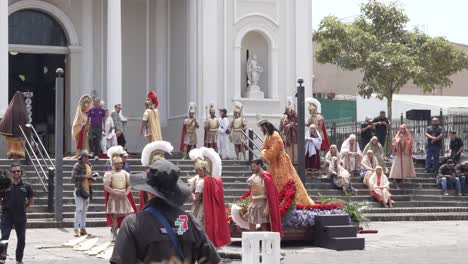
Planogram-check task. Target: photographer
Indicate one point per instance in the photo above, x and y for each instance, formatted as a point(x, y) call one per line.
point(367, 132)
point(15, 199)
point(82, 177)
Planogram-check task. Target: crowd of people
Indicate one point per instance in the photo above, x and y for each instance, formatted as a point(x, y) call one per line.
point(138, 230)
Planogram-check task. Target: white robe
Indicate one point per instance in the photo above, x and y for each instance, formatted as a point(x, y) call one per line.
point(312, 144)
point(350, 161)
point(109, 138)
point(223, 139)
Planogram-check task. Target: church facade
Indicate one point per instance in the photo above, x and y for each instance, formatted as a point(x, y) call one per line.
point(186, 50)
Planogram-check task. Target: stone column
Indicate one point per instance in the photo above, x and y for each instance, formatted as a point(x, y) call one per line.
point(3, 57)
point(88, 48)
point(304, 44)
point(114, 53)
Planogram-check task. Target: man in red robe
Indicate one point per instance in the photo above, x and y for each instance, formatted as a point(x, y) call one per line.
point(263, 207)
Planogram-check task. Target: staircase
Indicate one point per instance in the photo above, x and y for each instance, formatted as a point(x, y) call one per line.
point(421, 199)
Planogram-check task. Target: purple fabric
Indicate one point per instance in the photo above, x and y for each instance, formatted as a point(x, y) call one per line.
point(96, 115)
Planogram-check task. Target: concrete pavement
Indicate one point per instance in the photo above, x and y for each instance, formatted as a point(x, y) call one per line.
point(396, 242)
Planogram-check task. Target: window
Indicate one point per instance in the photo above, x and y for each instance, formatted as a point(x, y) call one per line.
point(31, 27)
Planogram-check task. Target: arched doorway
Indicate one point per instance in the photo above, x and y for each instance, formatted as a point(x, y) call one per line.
point(37, 48)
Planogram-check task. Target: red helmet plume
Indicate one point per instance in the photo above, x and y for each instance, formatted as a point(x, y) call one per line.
point(154, 98)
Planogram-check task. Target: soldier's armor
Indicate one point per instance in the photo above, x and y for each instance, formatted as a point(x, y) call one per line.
point(213, 124)
point(257, 188)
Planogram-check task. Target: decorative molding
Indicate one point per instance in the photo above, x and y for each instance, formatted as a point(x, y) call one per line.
point(37, 49)
point(52, 10)
point(274, 21)
point(260, 25)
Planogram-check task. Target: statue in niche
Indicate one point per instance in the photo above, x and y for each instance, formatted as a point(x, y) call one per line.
point(254, 71)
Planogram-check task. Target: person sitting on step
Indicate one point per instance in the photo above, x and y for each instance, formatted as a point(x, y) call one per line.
point(448, 176)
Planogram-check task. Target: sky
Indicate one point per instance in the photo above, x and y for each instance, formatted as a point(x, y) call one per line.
point(442, 18)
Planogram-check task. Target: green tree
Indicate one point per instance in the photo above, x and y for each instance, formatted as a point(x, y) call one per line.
point(388, 55)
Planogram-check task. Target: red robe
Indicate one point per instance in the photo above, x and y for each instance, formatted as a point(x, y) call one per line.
point(142, 196)
point(121, 218)
point(325, 143)
point(216, 225)
point(273, 204)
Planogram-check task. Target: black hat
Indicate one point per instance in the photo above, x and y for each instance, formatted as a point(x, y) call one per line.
point(162, 180)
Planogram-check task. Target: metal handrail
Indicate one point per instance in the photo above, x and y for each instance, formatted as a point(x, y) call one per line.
point(52, 165)
point(35, 159)
point(248, 139)
point(37, 171)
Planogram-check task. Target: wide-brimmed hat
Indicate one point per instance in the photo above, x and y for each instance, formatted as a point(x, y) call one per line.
point(84, 153)
point(162, 180)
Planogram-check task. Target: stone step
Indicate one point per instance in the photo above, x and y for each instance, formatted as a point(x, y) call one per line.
point(415, 210)
point(460, 216)
point(449, 203)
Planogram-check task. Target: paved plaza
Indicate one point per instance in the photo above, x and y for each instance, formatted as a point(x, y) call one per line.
point(396, 242)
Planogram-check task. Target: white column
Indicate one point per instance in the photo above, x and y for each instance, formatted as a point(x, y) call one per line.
point(304, 43)
point(192, 25)
point(88, 48)
point(114, 53)
point(3, 57)
point(210, 51)
point(162, 57)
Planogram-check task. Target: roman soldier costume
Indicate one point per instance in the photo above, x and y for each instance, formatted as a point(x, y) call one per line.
point(211, 128)
point(238, 127)
point(151, 123)
point(189, 131)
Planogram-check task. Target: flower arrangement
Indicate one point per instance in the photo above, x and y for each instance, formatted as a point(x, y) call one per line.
point(286, 199)
point(303, 216)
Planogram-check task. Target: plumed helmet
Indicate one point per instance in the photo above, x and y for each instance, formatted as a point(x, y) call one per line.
point(154, 151)
point(154, 98)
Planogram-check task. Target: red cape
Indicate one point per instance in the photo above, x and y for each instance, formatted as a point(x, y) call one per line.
point(142, 196)
point(216, 225)
point(119, 219)
point(273, 204)
point(182, 139)
point(325, 143)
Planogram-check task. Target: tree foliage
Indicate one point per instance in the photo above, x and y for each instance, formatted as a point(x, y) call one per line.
point(389, 56)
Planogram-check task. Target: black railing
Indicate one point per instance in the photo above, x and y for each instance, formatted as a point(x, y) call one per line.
point(339, 131)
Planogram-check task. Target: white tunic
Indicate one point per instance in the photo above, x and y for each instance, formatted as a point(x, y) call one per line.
point(223, 139)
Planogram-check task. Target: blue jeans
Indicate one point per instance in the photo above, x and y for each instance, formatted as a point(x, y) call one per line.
point(20, 227)
point(432, 157)
point(459, 183)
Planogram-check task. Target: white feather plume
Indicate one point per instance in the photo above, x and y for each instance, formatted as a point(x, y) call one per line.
point(209, 153)
point(237, 218)
point(196, 154)
point(115, 150)
point(150, 147)
point(311, 100)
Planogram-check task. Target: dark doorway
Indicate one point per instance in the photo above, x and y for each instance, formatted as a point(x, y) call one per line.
point(36, 73)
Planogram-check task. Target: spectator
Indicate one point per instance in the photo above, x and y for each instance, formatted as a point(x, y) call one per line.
point(367, 132)
point(448, 176)
point(456, 146)
point(15, 200)
point(462, 174)
point(82, 176)
point(140, 237)
point(434, 135)
point(96, 118)
point(382, 126)
point(118, 125)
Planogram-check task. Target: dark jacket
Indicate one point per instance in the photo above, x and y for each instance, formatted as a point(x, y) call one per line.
point(444, 170)
point(142, 239)
point(79, 175)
